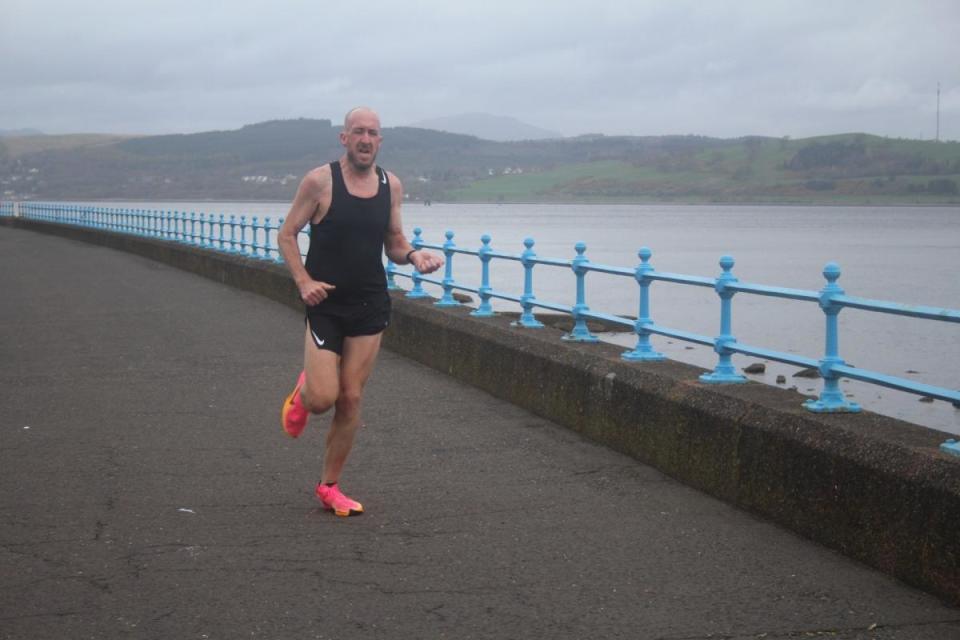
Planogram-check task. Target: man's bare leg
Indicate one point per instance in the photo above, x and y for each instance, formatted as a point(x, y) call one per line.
point(322, 385)
point(359, 356)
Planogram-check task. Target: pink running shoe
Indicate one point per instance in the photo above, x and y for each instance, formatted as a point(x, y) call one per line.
point(293, 415)
point(340, 504)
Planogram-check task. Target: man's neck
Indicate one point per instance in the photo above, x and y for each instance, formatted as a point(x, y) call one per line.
point(353, 171)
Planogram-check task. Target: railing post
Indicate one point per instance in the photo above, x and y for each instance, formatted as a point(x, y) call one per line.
point(223, 230)
point(528, 260)
point(485, 310)
point(644, 351)
point(267, 247)
point(243, 245)
point(831, 398)
point(724, 372)
point(448, 282)
point(391, 273)
point(233, 234)
point(255, 248)
point(202, 240)
point(265, 236)
point(417, 290)
point(580, 332)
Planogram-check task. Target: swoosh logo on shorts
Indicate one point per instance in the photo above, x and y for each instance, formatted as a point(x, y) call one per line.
point(316, 338)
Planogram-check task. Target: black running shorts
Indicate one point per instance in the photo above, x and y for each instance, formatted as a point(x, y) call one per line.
point(330, 322)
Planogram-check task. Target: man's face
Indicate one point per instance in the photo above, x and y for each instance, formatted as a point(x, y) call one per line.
point(361, 137)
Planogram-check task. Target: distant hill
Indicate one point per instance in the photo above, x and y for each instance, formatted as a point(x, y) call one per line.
point(7, 133)
point(487, 127)
point(265, 161)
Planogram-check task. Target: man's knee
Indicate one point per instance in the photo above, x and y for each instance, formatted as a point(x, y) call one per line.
point(317, 401)
point(349, 400)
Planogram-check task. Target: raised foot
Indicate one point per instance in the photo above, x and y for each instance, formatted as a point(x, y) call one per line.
point(293, 415)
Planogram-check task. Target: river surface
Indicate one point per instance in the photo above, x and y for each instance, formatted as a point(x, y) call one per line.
point(902, 254)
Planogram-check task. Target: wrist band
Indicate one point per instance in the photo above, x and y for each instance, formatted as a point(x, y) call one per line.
point(410, 253)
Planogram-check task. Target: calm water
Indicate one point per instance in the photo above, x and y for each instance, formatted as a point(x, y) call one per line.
point(902, 254)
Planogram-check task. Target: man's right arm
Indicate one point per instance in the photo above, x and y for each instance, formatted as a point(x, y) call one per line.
point(312, 194)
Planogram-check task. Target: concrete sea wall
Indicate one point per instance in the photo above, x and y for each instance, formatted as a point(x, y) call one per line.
point(871, 487)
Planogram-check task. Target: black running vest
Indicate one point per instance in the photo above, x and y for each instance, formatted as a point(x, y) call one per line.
point(346, 246)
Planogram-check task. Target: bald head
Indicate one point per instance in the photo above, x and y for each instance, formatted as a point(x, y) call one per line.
point(356, 112)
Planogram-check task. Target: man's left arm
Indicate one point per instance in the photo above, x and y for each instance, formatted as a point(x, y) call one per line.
point(396, 245)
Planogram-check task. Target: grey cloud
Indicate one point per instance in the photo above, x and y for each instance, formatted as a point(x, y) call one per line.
point(719, 68)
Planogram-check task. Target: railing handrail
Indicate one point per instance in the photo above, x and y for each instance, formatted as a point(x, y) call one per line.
point(866, 304)
point(227, 233)
point(253, 239)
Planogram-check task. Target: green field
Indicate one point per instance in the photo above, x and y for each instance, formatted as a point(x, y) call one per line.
point(852, 169)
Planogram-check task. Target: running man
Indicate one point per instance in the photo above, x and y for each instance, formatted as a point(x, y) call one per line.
point(353, 208)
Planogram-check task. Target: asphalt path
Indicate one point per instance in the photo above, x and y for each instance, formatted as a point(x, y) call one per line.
point(147, 491)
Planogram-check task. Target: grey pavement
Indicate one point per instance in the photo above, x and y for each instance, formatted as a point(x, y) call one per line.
point(147, 491)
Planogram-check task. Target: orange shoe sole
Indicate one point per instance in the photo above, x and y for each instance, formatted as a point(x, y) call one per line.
point(287, 405)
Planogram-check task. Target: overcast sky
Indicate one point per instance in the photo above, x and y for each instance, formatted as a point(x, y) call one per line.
point(765, 67)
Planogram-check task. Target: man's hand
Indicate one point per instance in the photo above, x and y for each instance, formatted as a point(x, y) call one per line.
point(425, 262)
point(313, 292)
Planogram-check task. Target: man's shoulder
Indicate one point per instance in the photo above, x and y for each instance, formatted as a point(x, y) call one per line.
point(391, 176)
point(319, 176)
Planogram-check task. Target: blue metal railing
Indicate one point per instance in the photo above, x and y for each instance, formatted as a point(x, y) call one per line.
point(217, 232)
point(6, 209)
point(831, 298)
point(255, 239)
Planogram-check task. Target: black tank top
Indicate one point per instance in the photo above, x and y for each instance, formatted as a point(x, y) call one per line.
point(346, 247)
